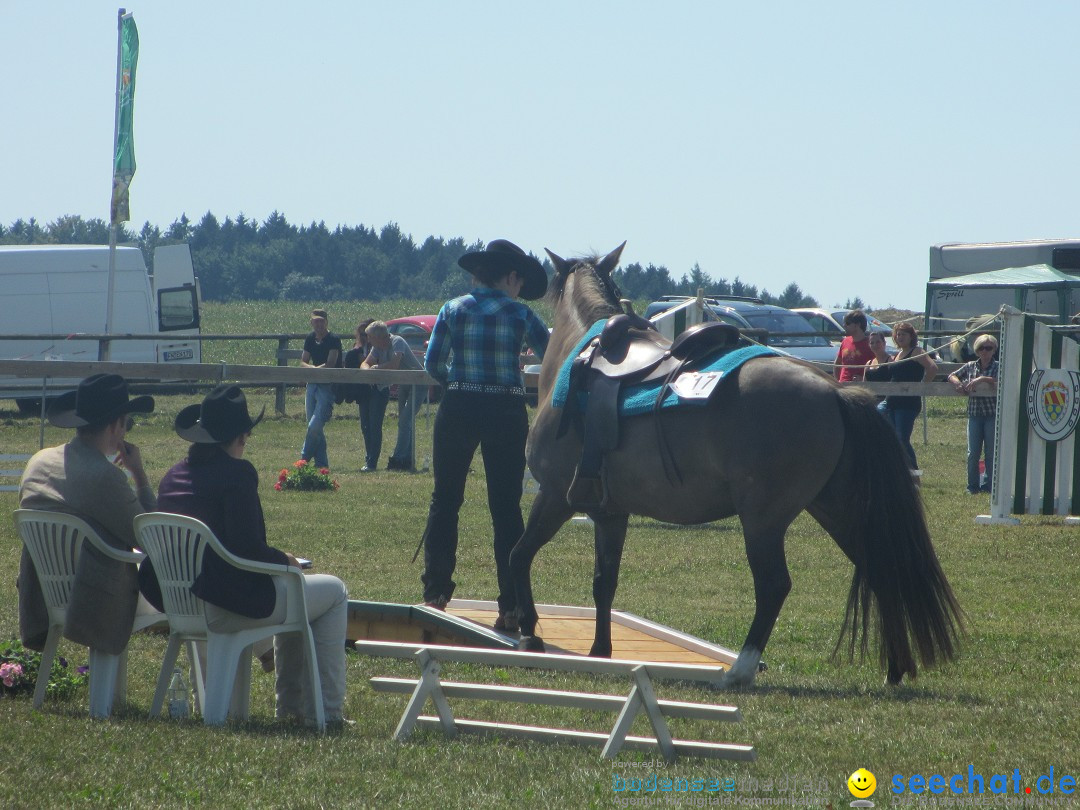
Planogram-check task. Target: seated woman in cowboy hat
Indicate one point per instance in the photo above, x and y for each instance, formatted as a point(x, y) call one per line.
point(474, 352)
point(216, 485)
point(81, 479)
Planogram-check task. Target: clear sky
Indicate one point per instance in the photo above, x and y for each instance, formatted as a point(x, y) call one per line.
point(828, 144)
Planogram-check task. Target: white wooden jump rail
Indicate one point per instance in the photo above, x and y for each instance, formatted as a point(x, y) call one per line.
point(8, 458)
point(642, 697)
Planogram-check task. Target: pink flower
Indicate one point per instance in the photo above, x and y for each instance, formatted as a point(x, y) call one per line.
point(299, 464)
point(277, 486)
point(9, 672)
point(324, 471)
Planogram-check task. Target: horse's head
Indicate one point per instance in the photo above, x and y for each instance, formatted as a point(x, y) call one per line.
point(583, 290)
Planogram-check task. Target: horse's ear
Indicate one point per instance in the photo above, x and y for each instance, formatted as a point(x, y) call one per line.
point(608, 264)
point(561, 265)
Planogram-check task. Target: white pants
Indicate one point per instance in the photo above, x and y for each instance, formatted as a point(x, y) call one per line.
point(327, 609)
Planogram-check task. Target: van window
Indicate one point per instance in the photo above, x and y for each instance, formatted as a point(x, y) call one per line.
point(178, 309)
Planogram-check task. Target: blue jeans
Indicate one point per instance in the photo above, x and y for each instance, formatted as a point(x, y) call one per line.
point(319, 406)
point(980, 439)
point(372, 411)
point(903, 422)
point(409, 399)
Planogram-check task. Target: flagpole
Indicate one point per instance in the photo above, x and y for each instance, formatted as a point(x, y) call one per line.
point(104, 346)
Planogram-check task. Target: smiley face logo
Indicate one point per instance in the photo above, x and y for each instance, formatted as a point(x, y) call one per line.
point(862, 784)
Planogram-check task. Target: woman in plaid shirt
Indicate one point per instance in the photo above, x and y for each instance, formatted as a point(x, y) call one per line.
point(982, 410)
point(474, 352)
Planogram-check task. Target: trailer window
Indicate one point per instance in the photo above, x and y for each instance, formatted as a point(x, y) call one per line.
point(178, 309)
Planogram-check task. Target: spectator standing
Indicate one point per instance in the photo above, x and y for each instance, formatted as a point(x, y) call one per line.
point(322, 349)
point(980, 375)
point(392, 352)
point(911, 364)
point(854, 352)
point(354, 358)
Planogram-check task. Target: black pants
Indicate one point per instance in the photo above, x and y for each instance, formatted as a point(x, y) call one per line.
point(499, 425)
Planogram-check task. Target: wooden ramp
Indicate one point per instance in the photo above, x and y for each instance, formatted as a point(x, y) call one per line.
point(567, 629)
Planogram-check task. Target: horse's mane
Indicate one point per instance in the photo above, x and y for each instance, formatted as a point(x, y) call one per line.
point(593, 297)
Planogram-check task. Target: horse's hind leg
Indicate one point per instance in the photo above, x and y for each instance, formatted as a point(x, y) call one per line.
point(765, 553)
point(609, 538)
point(549, 512)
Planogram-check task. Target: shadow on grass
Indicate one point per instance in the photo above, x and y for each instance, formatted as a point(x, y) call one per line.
point(133, 713)
point(896, 694)
point(726, 525)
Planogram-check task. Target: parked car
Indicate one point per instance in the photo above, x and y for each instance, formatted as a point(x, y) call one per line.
point(416, 329)
point(783, 325)
point(831, 324)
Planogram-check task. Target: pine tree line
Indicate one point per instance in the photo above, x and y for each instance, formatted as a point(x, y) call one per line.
point(242, 259)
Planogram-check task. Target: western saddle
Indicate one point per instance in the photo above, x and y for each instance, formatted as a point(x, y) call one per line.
point(629, 351)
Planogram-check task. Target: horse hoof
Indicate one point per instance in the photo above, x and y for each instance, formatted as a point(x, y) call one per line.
point(531, 644)
point(726, 683)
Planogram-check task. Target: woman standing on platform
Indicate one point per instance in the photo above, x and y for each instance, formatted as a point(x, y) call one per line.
point(474, 353)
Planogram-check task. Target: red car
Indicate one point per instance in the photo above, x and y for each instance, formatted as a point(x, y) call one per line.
point(416, 329)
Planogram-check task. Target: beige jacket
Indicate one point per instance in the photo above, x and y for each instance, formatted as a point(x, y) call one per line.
point(78, 479)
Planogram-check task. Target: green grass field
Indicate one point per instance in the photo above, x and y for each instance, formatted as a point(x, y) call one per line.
point(291, 317)
point(1008, 703)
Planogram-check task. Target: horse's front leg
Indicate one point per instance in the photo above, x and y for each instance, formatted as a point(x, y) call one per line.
point(609, 536)
point(549, 512)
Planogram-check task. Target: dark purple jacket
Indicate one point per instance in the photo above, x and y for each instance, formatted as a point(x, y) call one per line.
point(223, 492)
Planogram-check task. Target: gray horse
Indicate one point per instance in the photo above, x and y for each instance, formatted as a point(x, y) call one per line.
point(777, 438)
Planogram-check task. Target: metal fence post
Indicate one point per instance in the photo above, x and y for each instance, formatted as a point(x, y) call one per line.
point(279, 402)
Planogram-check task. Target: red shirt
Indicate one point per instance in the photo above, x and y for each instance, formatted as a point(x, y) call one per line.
point(853, 357)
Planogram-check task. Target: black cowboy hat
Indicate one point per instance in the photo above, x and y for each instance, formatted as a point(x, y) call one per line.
point(220, 417)
point(99, 399)
point(500, 258)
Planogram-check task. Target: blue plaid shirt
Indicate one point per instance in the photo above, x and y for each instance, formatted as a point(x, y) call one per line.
point(477, 342)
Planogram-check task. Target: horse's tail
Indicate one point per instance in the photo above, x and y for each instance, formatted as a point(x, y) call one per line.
point(895, 564)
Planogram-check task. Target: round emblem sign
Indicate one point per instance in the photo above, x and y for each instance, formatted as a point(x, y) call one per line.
point(1053, 402)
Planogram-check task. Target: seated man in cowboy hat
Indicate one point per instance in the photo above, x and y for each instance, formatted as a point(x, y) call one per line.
point(80, 478)
point(216, 485)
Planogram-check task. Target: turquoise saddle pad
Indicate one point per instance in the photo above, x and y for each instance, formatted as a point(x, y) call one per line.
point(641, 398)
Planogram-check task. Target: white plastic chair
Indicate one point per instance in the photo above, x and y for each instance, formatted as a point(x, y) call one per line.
point(177, 553)
point(54, 540)
point(185, 537)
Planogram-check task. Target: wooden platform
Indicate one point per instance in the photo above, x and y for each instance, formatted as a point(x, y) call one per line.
point(567, 629)
point(387, 621)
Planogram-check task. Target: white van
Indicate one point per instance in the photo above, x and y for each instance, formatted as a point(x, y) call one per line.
point(62, 290)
